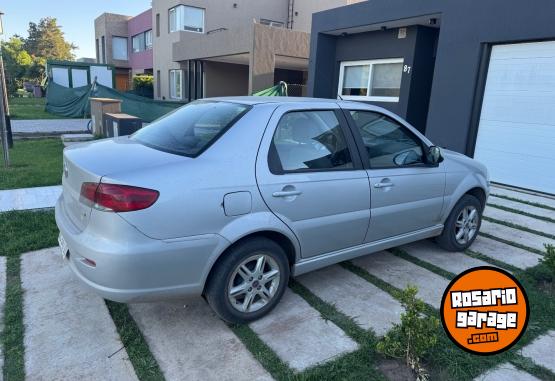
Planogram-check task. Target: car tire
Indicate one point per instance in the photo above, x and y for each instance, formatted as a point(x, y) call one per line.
point(236, 282)
point(461, 229)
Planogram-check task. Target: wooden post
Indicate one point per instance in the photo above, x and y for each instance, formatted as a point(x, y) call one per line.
point(3, 130)
point(3, 95)
point(5, 100)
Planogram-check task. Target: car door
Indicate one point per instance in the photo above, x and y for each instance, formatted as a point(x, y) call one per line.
point(311, 176)
point(406, 192)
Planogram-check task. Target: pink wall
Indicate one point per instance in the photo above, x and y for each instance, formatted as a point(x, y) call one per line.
point(136, 25)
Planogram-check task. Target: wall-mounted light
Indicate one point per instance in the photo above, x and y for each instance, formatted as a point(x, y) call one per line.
point(433, 21)
point(234, 5)
point(383, 28)
point(344, 34)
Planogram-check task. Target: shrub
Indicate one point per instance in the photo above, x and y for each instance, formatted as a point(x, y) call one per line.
point(22, 93)
point(144, 85)
point(549, 258)
point(414, 337)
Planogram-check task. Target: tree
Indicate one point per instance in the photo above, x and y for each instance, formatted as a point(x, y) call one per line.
point(17, 62)
point(46, 40)
point(25, 58)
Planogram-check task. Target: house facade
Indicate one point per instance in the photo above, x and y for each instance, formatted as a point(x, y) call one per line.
point(125, 42)
point(204, 48)
point(475, 77)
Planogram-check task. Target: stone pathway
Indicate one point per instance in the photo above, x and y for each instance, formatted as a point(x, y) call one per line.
point(400, 273)
point(191, 343)
point(69, 333)
point(2, 299)
point(519, 219)
point(299, 336)
point(523, 196)
point(74, 139)
point(368, 305)
point(506, 372)
point(35, 126)
point(29, 198)
point(531, 240)
point(455, 263)
point(540, 351)
point(511, 255)
point(537, 211)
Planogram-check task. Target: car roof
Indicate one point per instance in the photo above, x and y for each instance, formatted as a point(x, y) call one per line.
point(254, 100)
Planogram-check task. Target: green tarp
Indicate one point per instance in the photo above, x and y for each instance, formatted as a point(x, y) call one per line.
point(279, 90)
point(74, 103)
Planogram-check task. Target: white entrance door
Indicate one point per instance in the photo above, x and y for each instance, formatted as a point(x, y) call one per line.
point(516, 136)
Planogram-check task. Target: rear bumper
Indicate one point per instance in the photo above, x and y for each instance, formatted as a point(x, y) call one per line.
point(131, 267)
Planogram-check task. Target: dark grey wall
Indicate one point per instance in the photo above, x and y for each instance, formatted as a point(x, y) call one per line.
point(417, 50)
point(377, 45)
point(466, 27)
point(422, 74)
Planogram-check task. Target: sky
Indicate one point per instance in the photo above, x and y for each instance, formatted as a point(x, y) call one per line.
point(75, 16)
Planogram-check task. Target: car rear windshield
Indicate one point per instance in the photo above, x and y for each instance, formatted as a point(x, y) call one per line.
point(191, 129)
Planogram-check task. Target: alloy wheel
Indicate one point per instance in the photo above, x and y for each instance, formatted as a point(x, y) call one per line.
point(253, 283)
point(466, 225)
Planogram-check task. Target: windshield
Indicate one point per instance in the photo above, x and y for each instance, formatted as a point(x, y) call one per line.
point(191, 129)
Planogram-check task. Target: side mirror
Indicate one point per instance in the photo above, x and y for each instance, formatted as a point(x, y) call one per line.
point(434, 155)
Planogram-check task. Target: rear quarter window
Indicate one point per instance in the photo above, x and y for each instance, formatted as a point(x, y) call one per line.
point(191, 129)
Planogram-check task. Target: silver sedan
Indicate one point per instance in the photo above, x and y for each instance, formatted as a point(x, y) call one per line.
point(229, 197)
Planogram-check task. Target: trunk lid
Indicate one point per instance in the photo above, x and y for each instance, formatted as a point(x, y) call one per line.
point(72, 178)
point(91, 161)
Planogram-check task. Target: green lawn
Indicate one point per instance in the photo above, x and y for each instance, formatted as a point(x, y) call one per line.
point(23, 231)
point(30, 108)
point(33, 163)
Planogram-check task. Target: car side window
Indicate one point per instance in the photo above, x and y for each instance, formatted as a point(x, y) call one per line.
point(310, 140)
point(388, 143)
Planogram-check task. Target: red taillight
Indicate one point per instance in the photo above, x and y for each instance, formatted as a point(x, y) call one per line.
point(117, 198)
point(88, 193)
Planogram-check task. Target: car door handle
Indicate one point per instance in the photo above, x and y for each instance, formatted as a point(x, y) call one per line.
point(287, 193)
point(383, 185)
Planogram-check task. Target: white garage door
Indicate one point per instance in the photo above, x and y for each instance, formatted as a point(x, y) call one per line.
point(516, 136)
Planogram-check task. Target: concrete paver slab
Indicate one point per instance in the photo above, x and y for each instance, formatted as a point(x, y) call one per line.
point(531, 240)
point(371, 307)
point(299, 336)
point(400, 273)
point(541, 351)
point(519, 219)
point(69, 334)
point(506, 372)
point(2, 301)
point(505, 253)
point(33, 126)
point(429, 252)
point(190, 343)
point(77, 137)
point(29, 198)
point(523, 196)
point(542, 212)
